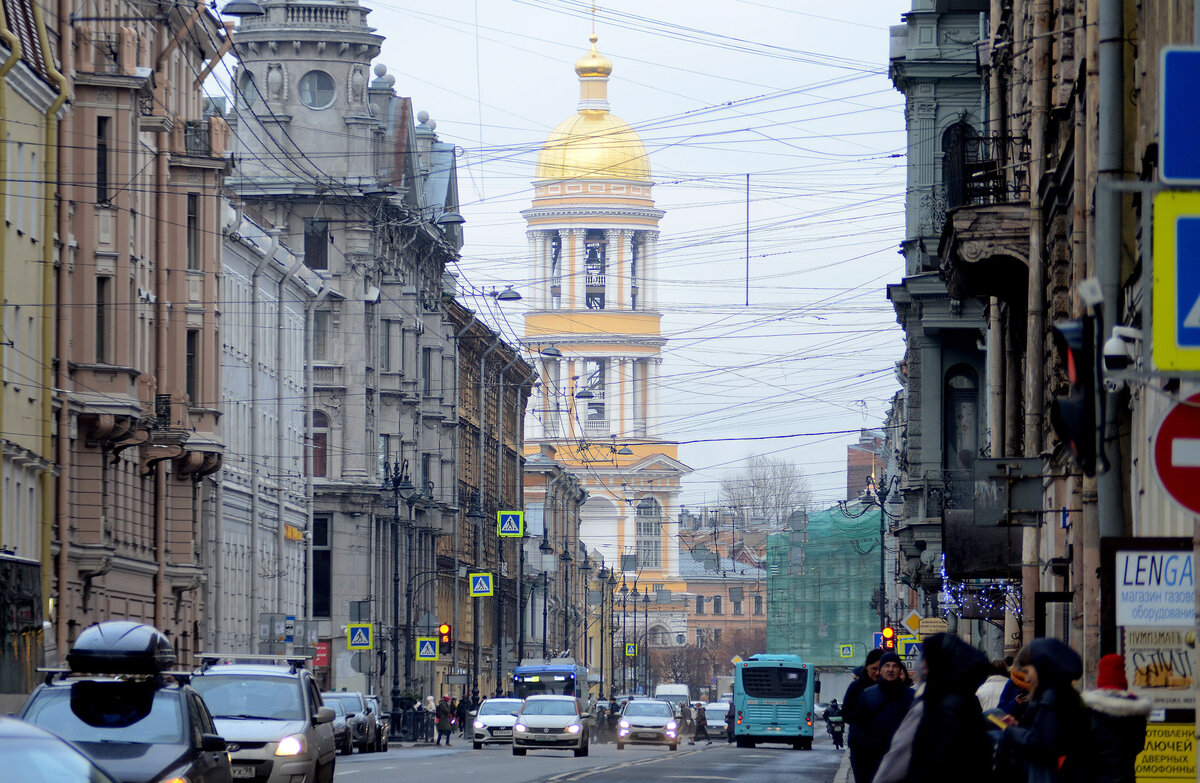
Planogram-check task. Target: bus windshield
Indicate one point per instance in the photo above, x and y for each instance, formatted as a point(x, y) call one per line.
point(774, 682)
point(552, 681)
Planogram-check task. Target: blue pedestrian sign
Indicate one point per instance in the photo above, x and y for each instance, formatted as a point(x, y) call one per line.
point(1175, 341)
point(427, 648)
point(481, 585)
point(358, 636)
point(630, 650)
point(1179, 117)
point(510, 524)
point(846, 650)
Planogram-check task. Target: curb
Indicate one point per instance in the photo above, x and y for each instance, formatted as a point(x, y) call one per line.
point(843, 773)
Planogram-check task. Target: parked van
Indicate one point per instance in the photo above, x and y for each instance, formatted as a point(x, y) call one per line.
point(675, 693)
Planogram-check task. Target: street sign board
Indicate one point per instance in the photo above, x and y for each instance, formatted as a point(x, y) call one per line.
point(1177, 453)
point(630, 649)
point(359, 637)
point(510, 524)
point(932, 625)
point(481, 584)
point(1175, 342)
point(909, 647)
point(846, 650)
point(912, 622)
point(427, 648)
point(1179, 117)
point(321, 654)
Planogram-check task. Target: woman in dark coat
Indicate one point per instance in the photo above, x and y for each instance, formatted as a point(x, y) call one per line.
point(1044, 746)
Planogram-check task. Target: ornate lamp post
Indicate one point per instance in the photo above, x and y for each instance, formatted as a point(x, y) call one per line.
point(635, 595)
point(566, 559)
point(646, 634)
point(624, 659)
point(401, 486)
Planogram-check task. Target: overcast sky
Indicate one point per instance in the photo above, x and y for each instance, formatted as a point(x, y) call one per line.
point(792, 92)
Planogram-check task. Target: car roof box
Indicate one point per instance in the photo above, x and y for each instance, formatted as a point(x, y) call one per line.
point(121, 647)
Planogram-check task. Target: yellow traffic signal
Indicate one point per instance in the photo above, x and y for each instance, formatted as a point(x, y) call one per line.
point(445, 638)
point(889, 638)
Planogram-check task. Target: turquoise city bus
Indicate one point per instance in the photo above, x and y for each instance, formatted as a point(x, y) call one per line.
point(773, 701)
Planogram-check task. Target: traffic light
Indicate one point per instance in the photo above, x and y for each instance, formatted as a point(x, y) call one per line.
point(1073, 414)
point(445, 638)
point(889, 638)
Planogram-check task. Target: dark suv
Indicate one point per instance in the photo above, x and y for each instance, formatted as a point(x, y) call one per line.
point(364, 725)
point(120, 706)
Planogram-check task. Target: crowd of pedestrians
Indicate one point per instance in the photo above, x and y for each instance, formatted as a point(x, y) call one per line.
point(983, 721)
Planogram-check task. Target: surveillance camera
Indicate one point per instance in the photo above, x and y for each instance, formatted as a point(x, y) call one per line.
point(1117, 354)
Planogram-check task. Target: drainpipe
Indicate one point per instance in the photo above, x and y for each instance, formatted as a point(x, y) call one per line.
point(262, 264)
point(280, 494)
point(62, 345)
point(1110, 166)
point(1036, 299)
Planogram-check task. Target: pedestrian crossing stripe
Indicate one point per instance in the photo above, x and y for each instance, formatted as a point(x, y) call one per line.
point(358, 637)
point(481, 585)
point(427, 648)
point(510, 524)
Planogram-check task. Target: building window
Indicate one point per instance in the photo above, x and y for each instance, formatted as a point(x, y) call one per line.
point(316, 244)
point(718, 605)
point(193, 231)
point(317, 90)
point(102, 142)
point(649, 533)
point(385, 346)
point(192, 350)
point(320, 336)
point(319, 453)
point(103, 289)
point(699, 637)
point(699, 604)
point(737, 607)
point(716, 635)
point(758, 604)
point(427, 371)
point(961, 420)
point(247, 89)
point(322, 567)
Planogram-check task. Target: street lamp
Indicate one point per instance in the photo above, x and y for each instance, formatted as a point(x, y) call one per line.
point(609, 629)
point(475, 520)
point(545, 609)
point(401, 486)
point(566, 558)
point(634, 595)
point(586, 569)
point(646, 633)
point(624, 659)
point(879, 494)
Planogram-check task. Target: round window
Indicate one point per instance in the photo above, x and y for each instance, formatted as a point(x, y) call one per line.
point(316, 89)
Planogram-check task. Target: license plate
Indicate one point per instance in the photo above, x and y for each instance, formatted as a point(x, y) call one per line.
point(242, 771)
point(501, 732)
point(648, 735)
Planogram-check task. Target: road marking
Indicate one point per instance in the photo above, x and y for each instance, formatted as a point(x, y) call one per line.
point(1185, 453)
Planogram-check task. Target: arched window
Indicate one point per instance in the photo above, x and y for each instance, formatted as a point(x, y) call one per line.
point(960, 148)
point(961, 400)
point(319, 453)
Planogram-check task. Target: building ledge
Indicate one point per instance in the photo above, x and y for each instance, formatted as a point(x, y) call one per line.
point(984, 251)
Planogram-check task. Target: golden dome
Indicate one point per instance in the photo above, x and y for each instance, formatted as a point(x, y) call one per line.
point(593, 63)
point(593, 145)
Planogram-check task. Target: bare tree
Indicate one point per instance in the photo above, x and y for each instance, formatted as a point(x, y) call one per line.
point(767, 488)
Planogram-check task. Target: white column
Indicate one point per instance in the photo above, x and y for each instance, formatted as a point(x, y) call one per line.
point(614, 262)
point(652, 396)
point(540, 293)
point(650, 270)
point(628, 390)
point(573, 240)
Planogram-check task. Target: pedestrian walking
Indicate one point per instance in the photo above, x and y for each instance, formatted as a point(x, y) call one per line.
point(731, 721)
point(1118, 725)
point(943, 732)
point(445, 721)
point(878, 714)
point(464, 714)
point(865, 679)
point(701, 726)
point(1044, 746)
point(835, 725)
point(685, 718)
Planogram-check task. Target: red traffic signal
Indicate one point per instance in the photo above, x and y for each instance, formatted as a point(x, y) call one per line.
point(445, 638)
point(889, 638)
point(1073, 411)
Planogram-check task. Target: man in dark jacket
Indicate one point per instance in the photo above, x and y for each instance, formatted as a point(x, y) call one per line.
point(877, 715)
point(1044, 746)
point(865, 679)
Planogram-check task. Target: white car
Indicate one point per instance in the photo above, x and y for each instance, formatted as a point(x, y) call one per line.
point(553, 723)
point(494, 721)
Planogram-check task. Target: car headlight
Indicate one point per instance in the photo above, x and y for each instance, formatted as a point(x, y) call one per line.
point(174, 780)
point(520, 727)
point(672, 725)
point(291, 745)
point(574, 728)
point(480, 724)
point(623, 724)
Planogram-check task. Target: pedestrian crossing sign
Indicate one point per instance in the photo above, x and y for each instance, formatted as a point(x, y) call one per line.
point(847, 650)
point(631, 649)
point(510, 524)
point(427, 648)
point(359, 637)
point(481, 585)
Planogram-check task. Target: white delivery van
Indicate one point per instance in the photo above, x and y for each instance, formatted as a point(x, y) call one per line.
point(673, 692)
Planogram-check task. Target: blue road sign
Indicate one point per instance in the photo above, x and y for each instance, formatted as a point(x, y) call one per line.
point(1178, 153)
point(847, 650)
point(481, 585)
point(358, 636)
point(510, 524)
point(427, 648)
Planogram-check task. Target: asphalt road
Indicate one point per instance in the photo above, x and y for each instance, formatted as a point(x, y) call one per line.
point(605, 764)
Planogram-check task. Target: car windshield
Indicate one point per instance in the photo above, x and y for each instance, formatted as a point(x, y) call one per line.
point(499, 707)
point(648, 708)
point(336, 706)
point(351, 701)
point(46, 759)
point(548, 707)
point(248, 696)
point(88, 711)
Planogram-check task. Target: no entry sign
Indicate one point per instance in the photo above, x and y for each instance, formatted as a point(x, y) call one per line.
point(1177, 453)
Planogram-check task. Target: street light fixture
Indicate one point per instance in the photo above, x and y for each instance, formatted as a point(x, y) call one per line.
point(566, 558)
point(242, 8)
point(586, 569)
point(401, 486)
point(635, 595)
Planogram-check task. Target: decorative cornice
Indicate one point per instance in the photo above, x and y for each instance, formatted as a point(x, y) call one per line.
point(593, 212)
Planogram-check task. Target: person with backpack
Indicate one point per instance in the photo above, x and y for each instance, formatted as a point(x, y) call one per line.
point(1044, 746)
point(1117, 724)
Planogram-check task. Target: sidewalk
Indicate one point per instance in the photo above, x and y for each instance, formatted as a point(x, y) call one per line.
point(843, 774)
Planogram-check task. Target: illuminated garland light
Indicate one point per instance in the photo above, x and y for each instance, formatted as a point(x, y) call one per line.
point(998, 595)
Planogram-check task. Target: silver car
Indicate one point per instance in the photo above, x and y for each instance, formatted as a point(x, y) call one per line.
point(494, 721)
point(648, 722)
point(552, 723)
point(270, 713)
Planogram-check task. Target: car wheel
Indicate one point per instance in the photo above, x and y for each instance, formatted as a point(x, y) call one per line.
point(347, 749)
point(518, 751)
point(325, 774)
point(477, 745)
point(620, 746)
point(673, 746)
